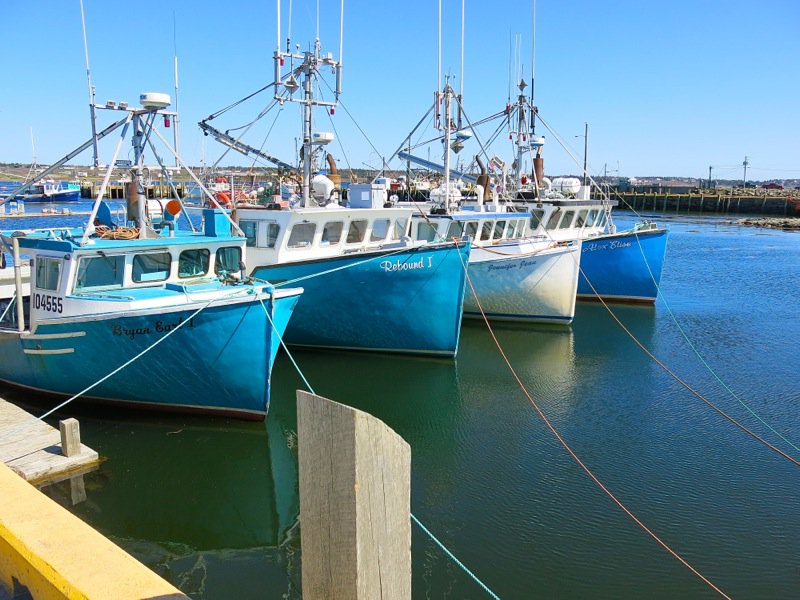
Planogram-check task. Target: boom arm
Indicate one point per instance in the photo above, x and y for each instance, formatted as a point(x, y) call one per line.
point(241, 147)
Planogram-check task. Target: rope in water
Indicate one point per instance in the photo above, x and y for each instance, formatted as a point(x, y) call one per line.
point(576, 458)
point(413, 517)
point(24, 428)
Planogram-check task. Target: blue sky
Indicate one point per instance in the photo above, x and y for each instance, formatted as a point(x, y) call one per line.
point(667, 88)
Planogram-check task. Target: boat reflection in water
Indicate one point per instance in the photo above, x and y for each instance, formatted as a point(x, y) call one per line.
point(211, 506)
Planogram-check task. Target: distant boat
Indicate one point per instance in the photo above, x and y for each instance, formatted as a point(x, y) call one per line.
point(144, 315)
point(52, 191)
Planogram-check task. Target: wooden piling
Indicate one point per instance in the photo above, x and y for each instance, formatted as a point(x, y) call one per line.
point(70, 437)
point(355, 500)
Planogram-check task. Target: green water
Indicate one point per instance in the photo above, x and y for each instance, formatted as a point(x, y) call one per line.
point(212, 504)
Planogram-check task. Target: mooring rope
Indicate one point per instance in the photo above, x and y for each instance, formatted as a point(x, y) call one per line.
point(286, 349)
point(575, 457)
point(27, 426)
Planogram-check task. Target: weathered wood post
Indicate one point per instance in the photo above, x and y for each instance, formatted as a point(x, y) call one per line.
point(70, 437)
point(355, 503)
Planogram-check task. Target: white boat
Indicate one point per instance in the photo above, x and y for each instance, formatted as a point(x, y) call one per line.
point(513, 275)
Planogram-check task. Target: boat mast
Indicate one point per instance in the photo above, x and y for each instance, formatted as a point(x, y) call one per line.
point(311, 63)
point(92, 113)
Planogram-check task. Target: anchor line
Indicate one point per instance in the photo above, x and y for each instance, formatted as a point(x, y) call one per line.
point(413, 517)
point(577, 459)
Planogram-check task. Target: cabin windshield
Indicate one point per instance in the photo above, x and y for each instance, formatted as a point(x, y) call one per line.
point(499, 229)
point(48, 273)
point(193, 263)
point(552, 222)
point(151, 267)
point(380, 229)
point(302, 235)
point(356, 231)
point(426, 231)
point(400, 227)
point(332, 233)
point(456, 230)
point(100, 273)
point(228, 259)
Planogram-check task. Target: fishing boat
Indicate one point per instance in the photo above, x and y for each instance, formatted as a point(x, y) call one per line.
point(513, 274)
point(367, 285)
point(48, 190)
point(141, 313)
point(616, 265)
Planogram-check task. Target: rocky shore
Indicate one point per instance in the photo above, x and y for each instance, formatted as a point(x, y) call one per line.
point(772, 222)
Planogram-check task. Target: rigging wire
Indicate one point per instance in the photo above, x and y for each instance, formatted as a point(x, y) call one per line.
point(574, 456)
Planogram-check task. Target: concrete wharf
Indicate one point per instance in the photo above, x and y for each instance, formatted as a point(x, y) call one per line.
point(38, 452)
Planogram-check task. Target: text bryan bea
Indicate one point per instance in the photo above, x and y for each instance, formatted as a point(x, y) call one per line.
point(157, 327)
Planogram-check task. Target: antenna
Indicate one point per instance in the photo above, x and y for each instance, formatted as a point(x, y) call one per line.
point(92, 114)
point(176, 136)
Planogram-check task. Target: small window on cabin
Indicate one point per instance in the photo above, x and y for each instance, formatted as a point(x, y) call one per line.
point(499, 229)
point(567, 220)
point(193, 263)
point(228, 259)
point(456, 230)
point(486, 230)
point(273, 230)
point(536, 218)
point(100, 272)
point(426, 231)
point(400, 228)
point(552, 222)
point(151, 267)
point(516, 228)
point(472, 229)
point(580, 220)
point(250, 230)
point(591, 217)
point(380, 229)
point(332, 233)
point(356, 231)
point(302, 235)
point(48, 273)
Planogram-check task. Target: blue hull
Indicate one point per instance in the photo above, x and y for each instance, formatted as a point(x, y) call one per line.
point(218, 362)
point(68, 196)
point(406, 302)
point(624, 266)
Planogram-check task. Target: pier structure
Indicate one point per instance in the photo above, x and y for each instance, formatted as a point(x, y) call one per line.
point(709, 201)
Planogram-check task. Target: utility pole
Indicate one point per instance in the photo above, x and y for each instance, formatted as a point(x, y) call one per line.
point(586, 150)
point(709, 177)
point(744, 179)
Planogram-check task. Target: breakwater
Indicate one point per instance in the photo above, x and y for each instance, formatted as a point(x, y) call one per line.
point(665, 201)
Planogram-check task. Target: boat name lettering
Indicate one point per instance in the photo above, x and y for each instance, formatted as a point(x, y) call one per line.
point(389, 266)
point(48, 302)
point(612, 245)
point(158, 327)
point(513, 265)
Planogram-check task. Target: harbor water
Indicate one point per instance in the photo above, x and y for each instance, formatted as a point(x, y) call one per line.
point(212, 504)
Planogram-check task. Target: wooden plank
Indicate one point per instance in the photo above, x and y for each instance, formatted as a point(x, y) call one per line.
point(33, 449)
point(355, 501)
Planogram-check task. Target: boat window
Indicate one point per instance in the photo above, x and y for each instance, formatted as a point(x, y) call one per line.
point(601, 222)
point(456, 230)
point(516, 228)
point(590, 219)
point(400, 228)
point(193, 263)
point(228, 259)
point(426, 231)
point(302, 235)
point(48, 272)
point(581, 218)
point(356, 231)
point(536, 218)
point(499, 229)
point(380, 229)
point(250, 229)
point(552, 222)
point(273, 229)
point(472, 229)
point(100, 272)
point(486, 230)
point(332, 233)
point(567, 220)
point(151, 267)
